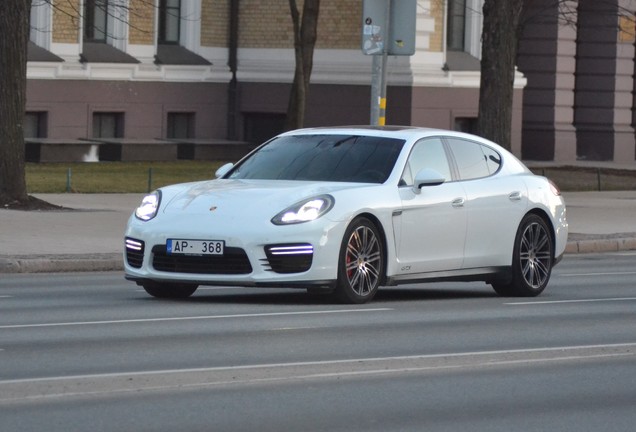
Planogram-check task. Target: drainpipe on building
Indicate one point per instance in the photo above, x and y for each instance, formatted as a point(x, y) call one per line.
point(232, 104)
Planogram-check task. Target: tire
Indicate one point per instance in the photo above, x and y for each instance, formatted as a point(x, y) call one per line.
point(360, 263)
point(169, 290)
point(532, 260)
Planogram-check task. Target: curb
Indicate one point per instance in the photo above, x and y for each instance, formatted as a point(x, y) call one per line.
point(601, 245)
point(114, 261)
point(62, 263)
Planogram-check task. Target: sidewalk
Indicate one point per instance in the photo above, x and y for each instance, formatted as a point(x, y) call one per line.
point(90, 237)
point(87, 238)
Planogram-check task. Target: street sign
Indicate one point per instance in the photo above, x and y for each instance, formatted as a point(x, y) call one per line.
point(399, 37)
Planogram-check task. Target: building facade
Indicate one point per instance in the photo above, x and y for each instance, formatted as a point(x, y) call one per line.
point(578, 58)
point(164, 79)
point(109, 76)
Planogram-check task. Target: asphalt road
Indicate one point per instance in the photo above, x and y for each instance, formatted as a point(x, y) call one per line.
point(83, 352)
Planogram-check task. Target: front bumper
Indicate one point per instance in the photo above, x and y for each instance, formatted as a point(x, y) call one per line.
point(302, 255)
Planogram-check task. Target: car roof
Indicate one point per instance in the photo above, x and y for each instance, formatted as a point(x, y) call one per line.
point(393, 131)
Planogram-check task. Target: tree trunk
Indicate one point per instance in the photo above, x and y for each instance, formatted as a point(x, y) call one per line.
point(305, 35)
point(14, 31)
point(499, 54)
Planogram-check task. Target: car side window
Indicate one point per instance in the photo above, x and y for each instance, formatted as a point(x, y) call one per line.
point(473, 159)
point(427, 153)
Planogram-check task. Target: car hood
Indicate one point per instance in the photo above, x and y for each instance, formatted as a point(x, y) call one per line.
point(234, 197)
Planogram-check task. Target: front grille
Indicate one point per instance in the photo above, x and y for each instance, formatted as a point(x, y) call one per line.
point(233, 261)
point(289, 258)
point(134, 252)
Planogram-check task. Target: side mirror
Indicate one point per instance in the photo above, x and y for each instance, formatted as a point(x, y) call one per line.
point(427, 177)
point(223, 170)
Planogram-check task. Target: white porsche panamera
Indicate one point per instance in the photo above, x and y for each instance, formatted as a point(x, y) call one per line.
point(347, 210)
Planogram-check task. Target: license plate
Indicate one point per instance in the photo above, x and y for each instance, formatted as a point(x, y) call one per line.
point(194, 247)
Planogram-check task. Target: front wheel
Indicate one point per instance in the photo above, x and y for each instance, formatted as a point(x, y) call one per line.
point(169, 290)
point(361, 262)
point(532, 260)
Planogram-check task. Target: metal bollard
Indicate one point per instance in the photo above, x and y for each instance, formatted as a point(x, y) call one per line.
point(150, 179)
point(68, 180)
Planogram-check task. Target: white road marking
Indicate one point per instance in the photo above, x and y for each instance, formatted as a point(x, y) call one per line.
point(190, 318)
point(597, 274)
point(597, 300)
point(559, 349)
point(33, 389)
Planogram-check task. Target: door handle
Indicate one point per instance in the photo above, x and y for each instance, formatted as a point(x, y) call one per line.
point(515, 196)
point(458, 202)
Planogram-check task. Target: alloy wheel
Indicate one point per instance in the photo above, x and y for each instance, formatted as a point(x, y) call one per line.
point(363, 260)
point(535, 255)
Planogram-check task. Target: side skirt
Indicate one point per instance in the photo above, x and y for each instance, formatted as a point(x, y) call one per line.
point(486, 274)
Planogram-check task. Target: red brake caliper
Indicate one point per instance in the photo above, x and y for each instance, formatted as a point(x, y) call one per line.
point(348, 261)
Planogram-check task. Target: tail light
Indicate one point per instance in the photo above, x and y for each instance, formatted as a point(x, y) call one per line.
point(554, 188)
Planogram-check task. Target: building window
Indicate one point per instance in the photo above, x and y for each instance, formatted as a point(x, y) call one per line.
point(464, 22)
point(95, 20)
point(179, 32)
point(35, 125)
point(180, 125)
point(455, 34)
point(169, 21)
point(108, 125)
point(466, 124)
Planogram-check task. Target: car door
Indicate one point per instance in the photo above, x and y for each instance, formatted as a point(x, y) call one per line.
point(495, 204)
point(431, 225)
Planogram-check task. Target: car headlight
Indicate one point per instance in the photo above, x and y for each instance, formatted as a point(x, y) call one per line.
point(149, 206)
point(305, 211)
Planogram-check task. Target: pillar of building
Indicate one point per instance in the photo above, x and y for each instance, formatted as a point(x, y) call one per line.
point(626, 60)
point(625, 140)
point(565, 133)
point(604, 84)
point(547, 59)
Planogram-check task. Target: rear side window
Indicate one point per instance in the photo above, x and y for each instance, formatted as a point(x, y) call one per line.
point(474, 160)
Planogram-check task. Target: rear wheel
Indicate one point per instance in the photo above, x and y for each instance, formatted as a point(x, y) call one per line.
point(361, 262)
point(169, 290)
point(532, 260)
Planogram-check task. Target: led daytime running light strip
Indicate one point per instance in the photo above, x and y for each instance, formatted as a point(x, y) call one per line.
point(291, 250)
point(134, 245)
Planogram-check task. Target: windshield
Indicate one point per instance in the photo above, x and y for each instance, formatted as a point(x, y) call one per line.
point(341, 158)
